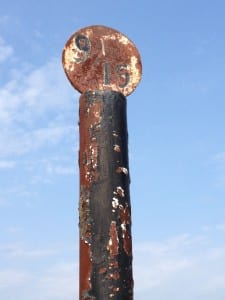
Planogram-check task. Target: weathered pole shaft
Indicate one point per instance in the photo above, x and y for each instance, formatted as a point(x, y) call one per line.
point(105, 66)
point(105, 212)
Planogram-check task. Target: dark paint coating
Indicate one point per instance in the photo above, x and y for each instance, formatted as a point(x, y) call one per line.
point(105, 213)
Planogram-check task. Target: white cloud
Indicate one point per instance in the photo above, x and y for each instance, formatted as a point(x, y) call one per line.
point(12, 278)
point(59, 282)
point(185, 267)
point(35, 108)
point(220, 181)
point(7, 164)
point(51, 283)
point(156, 263)
point(40, 179)
point(29, 95)
point(21, 141)
point(38, 34)
point(4, 202)
point(220, 157)
point(6, 51)
point(219, 161)
point(13, 230)
point(61, 170)
point(19, 252)
point(4, 19)
point(220, 226)
point(182, 267)
point(37, 273)
point(201, 46)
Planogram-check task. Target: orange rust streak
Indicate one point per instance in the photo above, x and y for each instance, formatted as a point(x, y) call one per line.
point(120, 191)
point(114, 275)
point(125, 214)
point(125, 220)
point(127, 243)
point(113, 245)
point(90, 118)
point(85, 267)
point(122, 170)
point(102, 270)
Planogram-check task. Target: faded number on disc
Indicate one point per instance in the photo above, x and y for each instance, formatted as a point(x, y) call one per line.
point(101, 58)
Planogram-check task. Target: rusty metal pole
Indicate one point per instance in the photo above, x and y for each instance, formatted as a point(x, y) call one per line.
point(105, 66)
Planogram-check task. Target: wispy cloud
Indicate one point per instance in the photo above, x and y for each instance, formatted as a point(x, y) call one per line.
point(220, 181)
point(179, 266)
point(201, 46)
point(30, 94)
point(182, 267)
point(59, 282)
point(35, 108)
point(22, 141)
point(220, 226)
point(61, 170)
point(219, 157)
point(12, 278)
point(219, 164)
point(4, 202)
point(7, 164)
point(14, 251)
point(6, 51)
point(56, 282)
point(4, 19)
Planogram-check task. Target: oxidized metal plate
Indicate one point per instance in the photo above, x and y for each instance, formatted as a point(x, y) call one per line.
point(101, 58)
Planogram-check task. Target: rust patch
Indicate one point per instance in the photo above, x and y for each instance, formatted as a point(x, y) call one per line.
point(127, 243)
point(125, 225)
point(122, 170)
point(113, 264)
point(105, 268)
point(120, 191)
point(116, 148)
point(113, 248)
point(115, 203)
point(86, 296)
point(115, 134)
point(102, 270)
point(84, 215)
point(102, 58)
point(90, 118)
point(113, 245)
point(125, 214)
point(85, 268)
point(115, 275)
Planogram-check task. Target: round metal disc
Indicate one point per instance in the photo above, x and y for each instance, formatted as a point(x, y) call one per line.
point(101, 58)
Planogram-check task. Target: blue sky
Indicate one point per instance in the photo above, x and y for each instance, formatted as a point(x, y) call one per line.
point(176, 147)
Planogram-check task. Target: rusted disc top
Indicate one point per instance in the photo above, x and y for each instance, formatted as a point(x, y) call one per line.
point(101, 58)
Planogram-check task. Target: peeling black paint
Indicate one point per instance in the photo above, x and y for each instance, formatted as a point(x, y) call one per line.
point(110, 270)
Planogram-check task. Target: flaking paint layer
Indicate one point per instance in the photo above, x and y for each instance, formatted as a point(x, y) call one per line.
point(102, 58)
point(105, 226)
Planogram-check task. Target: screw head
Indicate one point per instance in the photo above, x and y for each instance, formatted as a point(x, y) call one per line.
point(101, 58)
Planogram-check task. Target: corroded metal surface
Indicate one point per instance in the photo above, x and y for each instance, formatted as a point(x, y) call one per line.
point(105, 212)
point(101, 58)
point(105, 66)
